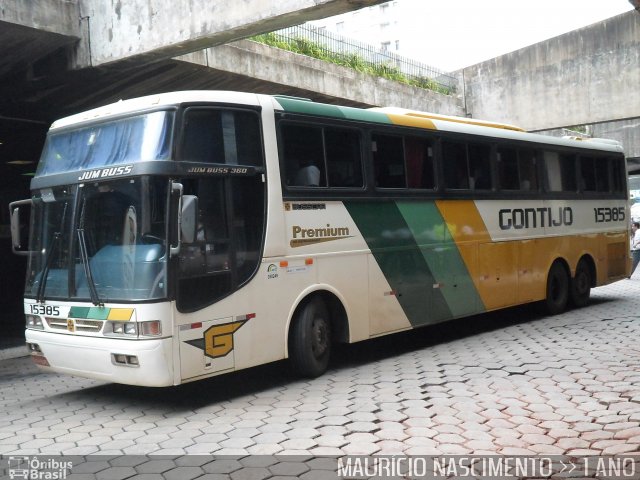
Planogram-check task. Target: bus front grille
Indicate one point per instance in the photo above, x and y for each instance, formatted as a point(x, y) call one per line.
point(80, 325)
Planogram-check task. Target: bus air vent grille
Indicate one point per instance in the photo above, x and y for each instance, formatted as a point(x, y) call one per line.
point(81, 325)
point(58, 323)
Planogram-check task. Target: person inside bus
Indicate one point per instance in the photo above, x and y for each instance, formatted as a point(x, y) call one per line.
point(635, 245)
point(307, 176)
point(480, 180)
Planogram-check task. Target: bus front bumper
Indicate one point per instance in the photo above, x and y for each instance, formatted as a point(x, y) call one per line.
point(147, 363)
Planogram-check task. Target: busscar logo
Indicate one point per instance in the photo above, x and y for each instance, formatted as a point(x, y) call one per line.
point(309, 236)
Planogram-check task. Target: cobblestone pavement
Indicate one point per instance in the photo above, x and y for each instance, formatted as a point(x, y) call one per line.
point(511, 382)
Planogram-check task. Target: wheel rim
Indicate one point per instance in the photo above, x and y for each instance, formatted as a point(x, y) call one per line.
point(582, 282)
point(557, 289)
point(319, 337)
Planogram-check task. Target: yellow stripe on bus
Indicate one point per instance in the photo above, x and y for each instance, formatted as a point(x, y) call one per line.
point(408, 121)
point(514, 272)
point(120, 314)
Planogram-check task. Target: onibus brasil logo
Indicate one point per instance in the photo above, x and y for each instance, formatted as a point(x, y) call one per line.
point(34, 468)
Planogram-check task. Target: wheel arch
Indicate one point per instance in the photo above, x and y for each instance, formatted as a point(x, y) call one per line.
point(562, 261)
point(337, 312)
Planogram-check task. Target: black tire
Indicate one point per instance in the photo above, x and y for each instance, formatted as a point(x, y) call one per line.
point(581, 285)
point(557, 289)
point(310, 340)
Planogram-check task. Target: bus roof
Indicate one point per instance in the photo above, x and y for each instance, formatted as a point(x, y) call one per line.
point(386, 115)
point(433, 121)
point(122, 107)
point(447, 118)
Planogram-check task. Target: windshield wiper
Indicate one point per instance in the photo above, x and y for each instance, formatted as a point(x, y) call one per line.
point(47, 262)
point(47, 266)
point(82, 245)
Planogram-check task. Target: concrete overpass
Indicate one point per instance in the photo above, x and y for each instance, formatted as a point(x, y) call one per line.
point(588, 77)
point(58, 57)
point(51, 48)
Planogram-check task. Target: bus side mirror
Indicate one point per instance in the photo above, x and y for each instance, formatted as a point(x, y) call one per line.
point(189, 222)
point(16, 230)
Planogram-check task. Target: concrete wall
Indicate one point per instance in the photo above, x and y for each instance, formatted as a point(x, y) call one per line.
point(626, 132)
point(262, 63)
point(55, 16)
point(150, 30)
point(590, 75)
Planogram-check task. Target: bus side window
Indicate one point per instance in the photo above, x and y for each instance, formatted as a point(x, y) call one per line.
point(454, 164)
point(602, 174)
point(560, 171)
point(508, 168)
point(568, 167)
point(344, 161)
point(226, 250)
point(388, 161)
point(221, 136)
point(619, 174)
point(587, 174)
point(303, 156)
point(479, 166)
point(528, 173)
point(420, 162)
point(200, 142)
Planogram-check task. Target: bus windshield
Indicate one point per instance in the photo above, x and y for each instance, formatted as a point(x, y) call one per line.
point(99, 242)
point(132, 139)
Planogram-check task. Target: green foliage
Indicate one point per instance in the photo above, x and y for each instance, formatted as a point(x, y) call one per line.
point(579, 128)
point(351, 60)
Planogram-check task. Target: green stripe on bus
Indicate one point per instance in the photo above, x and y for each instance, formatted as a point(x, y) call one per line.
point(439, 250)
point(78, 312)
point(98, 313)
point(404, 266)
point(323, 110)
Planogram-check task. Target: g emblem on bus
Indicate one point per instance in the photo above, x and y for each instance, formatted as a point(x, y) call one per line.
point(70, 325)
point(218, 340)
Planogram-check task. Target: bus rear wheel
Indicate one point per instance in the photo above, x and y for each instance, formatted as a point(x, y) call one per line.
point(310, 341)
point(581, 285)
point(557, 289)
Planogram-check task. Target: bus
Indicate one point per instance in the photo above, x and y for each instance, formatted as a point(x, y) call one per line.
point(188, 234)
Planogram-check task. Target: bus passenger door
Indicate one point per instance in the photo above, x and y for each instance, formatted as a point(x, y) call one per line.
point(221, 259)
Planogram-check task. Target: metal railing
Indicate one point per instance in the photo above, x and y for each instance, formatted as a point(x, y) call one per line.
point(332, 46)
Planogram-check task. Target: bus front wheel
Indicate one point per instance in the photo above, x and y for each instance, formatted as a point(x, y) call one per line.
point(557, 289)
point(310, 345)
point(581, 285)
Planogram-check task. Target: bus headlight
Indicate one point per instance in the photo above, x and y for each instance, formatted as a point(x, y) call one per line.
point(121, 328)
point(34, 321)
point(151, 329)
point(130, 329)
